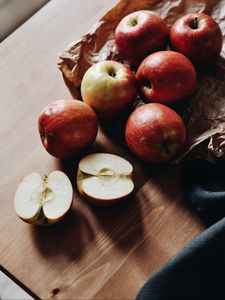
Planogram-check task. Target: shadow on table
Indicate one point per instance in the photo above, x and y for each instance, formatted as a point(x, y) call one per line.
point(88, 227)
point(69, 236)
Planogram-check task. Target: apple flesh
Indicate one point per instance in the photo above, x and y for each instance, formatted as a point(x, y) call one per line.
point(43, 200)
point(155, 133)
point(109, 88)
point(198, 37)
point(67, 127)
point(140, 34)
point(104, 178)
point(166, 77)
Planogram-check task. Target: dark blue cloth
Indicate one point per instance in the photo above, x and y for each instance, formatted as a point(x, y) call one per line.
point(204, 189)
point(198, 270)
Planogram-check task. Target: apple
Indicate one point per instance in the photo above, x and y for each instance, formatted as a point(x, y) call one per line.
point(166, 77)
point(155, 133)
point(43, 200)
point(140, 34)
point(104, 178)
point(109, 88)
point(67, 127)
point(198, 37)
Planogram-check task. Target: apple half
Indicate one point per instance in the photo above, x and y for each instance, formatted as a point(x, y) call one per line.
point(104, 178)
point(43, 200)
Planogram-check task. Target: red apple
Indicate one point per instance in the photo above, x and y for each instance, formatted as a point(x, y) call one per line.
point(155, 133)
point(166, 77)
point(67, 127)
point(198, 37)
point(109, 88)
point(139, 34)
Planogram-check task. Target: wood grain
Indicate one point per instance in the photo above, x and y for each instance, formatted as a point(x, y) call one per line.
point(95, 253)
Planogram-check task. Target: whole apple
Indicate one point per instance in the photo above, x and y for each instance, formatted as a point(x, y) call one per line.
point(139, 34)
point(198, 37)
point(109, 88)
point(166, 77)
point(155, 133)
point(67, 127)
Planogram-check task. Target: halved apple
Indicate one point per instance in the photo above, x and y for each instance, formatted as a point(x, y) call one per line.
point(43, 200)
point(104, 178)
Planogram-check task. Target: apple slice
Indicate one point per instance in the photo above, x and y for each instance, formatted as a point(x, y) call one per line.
point(43, 200)
point(104, 178)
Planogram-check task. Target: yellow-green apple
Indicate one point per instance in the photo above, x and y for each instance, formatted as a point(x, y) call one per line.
point(155, 133)
point(109, 87)
point(104, 178)
point(166, 77)
point(43, 200)
point(67, 127)
point(198, 37)
point(139, 34)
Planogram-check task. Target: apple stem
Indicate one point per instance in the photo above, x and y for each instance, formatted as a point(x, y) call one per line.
point(195, 23)
point(148, 85)
point(134, 22)
point(166, 147)
point(112, 74)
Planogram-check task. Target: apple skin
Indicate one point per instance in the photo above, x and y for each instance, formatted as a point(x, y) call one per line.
point(67, 127)
point(139, 34)
point(202, 45)
point(155, 133)
point(109, 88)
point(166, 77)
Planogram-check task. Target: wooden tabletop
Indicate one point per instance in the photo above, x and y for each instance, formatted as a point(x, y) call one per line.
point(95, 253)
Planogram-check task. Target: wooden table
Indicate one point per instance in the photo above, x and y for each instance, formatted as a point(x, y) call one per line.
point(95, 253)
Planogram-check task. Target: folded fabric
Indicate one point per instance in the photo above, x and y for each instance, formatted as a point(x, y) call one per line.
point(198, 270)
point(204, 189)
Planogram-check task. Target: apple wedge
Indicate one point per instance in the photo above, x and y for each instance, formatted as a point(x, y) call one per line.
point(104, 178)
point(43, 200)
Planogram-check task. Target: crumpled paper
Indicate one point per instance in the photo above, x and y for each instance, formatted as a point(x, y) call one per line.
point(204, 114)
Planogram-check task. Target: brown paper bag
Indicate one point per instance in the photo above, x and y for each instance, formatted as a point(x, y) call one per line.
point(204, 115)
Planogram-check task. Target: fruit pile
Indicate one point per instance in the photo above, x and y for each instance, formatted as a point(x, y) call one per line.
point(109, 89)
point(154, 131)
